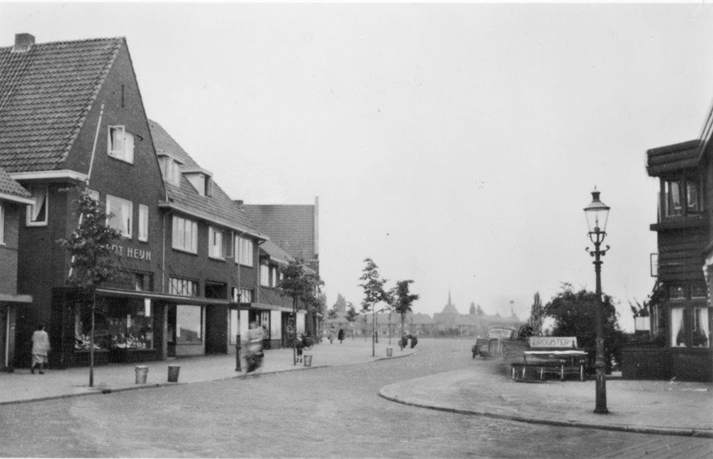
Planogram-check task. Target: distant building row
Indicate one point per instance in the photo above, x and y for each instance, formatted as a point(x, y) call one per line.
point(196, 265)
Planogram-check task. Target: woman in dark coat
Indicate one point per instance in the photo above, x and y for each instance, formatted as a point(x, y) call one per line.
point(340, 335)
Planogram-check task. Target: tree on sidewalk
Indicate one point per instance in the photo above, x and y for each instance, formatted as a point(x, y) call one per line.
point(301, 284)
point(403, 300)
point(93, 259)
point(574, 314)
point(374, 293)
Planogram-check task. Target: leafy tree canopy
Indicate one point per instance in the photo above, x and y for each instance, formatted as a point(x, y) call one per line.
point(351, 313)
point(301, 285)
point(402, 298)
point(373, 286)
point(574, 314)
point(90, 245)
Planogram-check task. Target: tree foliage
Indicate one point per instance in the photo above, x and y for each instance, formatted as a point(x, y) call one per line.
point(403, 299)
point(533, 326)
point(574, 314)
point(90, 245)
point(373, 286)
point(301, 285)
point(352, 315)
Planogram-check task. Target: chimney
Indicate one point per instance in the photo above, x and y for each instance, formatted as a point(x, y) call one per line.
point(239, 202)
point(23, 42)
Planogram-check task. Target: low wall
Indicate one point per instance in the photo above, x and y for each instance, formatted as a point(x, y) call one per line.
point(646, 363)
point(693, 364)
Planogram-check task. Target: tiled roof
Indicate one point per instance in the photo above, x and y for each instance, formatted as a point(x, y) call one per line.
point(218, 208)
point(289, 226)
point(10, 188)
point(275, 252)
point(45, 95)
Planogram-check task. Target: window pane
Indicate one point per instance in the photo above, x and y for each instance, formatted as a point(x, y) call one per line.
point(37, 212)
point(673, 191)
point(678, 329)
point(701, 331)
point(129, 147)
point(692, 195)
point(120, 212)
point(143, 222)
point(189, 324)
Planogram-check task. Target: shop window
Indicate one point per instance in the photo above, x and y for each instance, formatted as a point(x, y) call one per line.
point(143, 223)
point(37, 212)
point(678, 327)
point(244, 253)
point(120, 213)
point(121, 144)
point(189, 324)
point(124, 326)
point(185, 234)
point(234, 326)
point(182, 287)
point(701, 332)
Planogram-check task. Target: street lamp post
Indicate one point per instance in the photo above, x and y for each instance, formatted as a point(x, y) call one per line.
point(597, 214)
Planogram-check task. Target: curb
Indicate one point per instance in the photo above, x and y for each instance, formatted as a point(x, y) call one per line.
point(687, 432)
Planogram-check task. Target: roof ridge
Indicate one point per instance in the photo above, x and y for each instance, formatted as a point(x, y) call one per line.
point(65, 42)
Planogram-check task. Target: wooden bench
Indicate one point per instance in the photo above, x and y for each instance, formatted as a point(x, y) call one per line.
point(551, 355)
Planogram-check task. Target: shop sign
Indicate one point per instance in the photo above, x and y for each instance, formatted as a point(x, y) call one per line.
point(130, 252)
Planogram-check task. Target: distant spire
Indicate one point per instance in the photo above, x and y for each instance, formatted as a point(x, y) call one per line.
point(449, 297)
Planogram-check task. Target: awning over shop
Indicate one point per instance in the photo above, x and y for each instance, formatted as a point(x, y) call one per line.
point(7, 298)
point(263, 306)
point(160, 297)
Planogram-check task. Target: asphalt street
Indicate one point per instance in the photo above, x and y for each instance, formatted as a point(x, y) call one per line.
point(325, 412)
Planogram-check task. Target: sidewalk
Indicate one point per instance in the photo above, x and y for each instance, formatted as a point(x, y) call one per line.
point(654, 407)
point(22, 386)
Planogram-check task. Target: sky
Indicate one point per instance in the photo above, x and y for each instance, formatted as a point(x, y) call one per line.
point(456, 145)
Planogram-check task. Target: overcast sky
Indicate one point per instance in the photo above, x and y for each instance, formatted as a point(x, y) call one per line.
point(456, 145)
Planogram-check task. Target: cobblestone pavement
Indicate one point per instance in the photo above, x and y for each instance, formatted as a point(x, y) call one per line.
point(327, 412)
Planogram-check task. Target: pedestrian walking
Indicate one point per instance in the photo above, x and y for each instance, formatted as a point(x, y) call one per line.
point(340, 335)
point(40, 348)
point(255, 355)
point(403, 342)
point(414, 341)
point(331, 335)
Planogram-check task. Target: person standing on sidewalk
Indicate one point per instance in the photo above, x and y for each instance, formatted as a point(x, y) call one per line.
point(255, 354)
point(340, 335)
point(40, 348)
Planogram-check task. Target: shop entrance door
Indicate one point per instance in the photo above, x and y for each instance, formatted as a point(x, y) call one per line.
point(171, 336)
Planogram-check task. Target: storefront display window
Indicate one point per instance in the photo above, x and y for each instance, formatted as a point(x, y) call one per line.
point(701, 333)
point(117, 326)
point(189, 324)
point(678, 327)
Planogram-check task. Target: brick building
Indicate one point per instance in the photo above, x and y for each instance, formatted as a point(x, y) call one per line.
point(13, 199)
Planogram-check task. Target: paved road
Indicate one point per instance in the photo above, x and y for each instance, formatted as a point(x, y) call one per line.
point(330, 412)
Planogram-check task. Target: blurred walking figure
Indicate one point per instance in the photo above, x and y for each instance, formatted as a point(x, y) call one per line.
point(331, 335)
point(255, 355)
point(403, 342)
point(340, 335)
point(414, 341)
point(40, 348)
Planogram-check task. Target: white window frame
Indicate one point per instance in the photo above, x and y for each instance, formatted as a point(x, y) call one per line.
point(171, 170)
point(264, 275)
point(37, 192)
point(143, 223)
point(216, 249)
point(182, 287)
point(125, 151)
point(244, 254)
point(185, 241)
point(126, 228)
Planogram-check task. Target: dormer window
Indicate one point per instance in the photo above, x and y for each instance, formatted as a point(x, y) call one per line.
point(201, 180)
point(170, 169)
point(682, 195)
point(121, 144)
